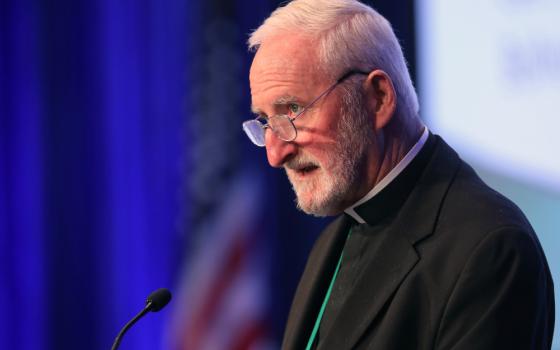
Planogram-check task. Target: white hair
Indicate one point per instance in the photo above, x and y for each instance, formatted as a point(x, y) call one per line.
point(349, 35)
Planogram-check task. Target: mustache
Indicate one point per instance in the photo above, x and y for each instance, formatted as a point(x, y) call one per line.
point(300, 162)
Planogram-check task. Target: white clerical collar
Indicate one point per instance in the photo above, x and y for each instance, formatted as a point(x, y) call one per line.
point(389, 177)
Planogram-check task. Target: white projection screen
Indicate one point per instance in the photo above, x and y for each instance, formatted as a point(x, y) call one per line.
point(489, 84)
point(489, 73)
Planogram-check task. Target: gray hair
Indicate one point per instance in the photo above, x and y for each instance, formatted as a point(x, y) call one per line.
point(349, 35)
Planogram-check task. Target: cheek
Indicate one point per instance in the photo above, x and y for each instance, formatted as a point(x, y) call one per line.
point(319, 137)
point(324, 150)
point(321, 124)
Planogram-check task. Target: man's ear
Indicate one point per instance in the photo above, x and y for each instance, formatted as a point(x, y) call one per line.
point(380, 97)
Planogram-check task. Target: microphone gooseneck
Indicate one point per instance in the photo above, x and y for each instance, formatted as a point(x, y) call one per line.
point(156, 301)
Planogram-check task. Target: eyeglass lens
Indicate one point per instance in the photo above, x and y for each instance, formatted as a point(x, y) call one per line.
point(281, 125)
point(255, 130)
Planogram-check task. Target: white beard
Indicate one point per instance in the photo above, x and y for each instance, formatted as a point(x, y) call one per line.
point(326, 190)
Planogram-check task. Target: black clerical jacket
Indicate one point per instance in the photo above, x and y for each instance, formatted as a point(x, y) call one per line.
point(456, 266)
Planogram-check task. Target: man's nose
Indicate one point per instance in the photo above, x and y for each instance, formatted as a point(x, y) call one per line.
point(278, 151)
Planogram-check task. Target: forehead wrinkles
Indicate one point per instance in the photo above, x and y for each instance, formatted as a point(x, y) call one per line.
point(275, 78)
point(284, 60)
point(275, 84)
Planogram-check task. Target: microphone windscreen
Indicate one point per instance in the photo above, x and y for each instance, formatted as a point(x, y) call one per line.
point(158, 299)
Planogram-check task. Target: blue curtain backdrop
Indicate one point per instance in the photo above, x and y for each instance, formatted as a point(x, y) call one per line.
point(109, 165)
point(92, 149)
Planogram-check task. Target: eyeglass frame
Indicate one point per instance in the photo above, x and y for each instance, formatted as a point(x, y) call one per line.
point(264, 126)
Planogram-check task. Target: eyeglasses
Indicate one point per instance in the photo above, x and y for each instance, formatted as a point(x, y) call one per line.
point(282, 125)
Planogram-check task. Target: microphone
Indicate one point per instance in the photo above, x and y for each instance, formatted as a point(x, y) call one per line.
point(155, 302)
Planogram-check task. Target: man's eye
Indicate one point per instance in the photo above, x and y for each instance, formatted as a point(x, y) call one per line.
point(294, 108)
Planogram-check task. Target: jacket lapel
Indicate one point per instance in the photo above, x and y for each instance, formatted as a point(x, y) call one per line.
point(394, 259)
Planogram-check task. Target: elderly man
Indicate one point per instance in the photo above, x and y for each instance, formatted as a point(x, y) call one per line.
point(423, 254)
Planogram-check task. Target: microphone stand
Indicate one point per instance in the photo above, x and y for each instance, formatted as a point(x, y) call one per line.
point(130, 323)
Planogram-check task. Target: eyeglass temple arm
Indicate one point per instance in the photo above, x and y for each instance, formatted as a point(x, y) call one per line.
point(349, 74)
point(340, 80)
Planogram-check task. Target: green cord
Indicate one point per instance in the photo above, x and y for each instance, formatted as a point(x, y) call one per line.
point(324, 306)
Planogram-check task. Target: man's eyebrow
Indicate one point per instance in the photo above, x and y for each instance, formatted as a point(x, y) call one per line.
point(280, 101)
point(284, 100)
